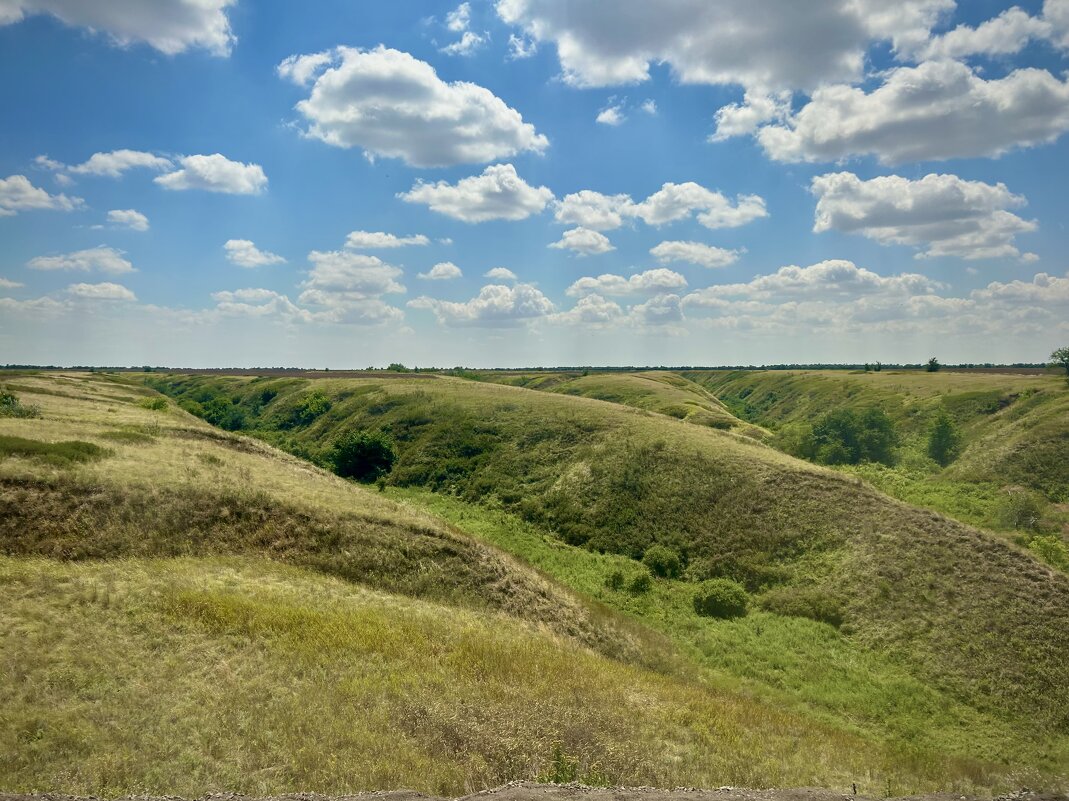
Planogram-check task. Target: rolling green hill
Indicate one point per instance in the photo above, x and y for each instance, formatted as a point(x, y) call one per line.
point(943, 638)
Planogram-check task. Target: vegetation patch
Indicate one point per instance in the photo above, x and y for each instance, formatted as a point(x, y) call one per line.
point(61, 454)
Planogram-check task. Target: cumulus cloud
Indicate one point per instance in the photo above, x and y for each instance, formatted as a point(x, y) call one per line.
point(694, 253)
point(657, 280)
point(943, 215)
point(937, 110)
point(611, 115)
point(584, 242)
point(18, 194)
point(263, 303)
point(443, 271)
point(390, 104)
point(674, 202)
point(1005, 34)
point(671, 203)
point(102, 291)
point(591, 310)
point(755, 110)
point(348, 287)
point(170, 26)
point(775, 44)
point(7, 283)
point(498, 194)
point(128, 218)
point(215, 173)
point(99, 259)
point(1042, 290)
point(496, 306)
point(244, 253)
point(650, 107)
point(113, 163)
point(467, 44)
point(500, 274)
point(459, 18)
point(521, 47)
point(658, 310)
point(376, 240)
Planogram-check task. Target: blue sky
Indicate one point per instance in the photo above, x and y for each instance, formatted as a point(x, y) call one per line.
point(215, 183)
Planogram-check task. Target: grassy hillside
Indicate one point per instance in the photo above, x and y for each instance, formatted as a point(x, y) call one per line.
point(972, 623)
point(1014, 463)
point(660, 392)
point(187, 610)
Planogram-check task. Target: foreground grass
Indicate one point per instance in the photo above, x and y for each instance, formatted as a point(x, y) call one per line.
point(183, 675)
point(788, 661)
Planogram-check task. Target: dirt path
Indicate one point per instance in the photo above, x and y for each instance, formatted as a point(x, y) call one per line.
point(530, 791)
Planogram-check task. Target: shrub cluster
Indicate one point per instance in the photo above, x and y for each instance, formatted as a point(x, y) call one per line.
point(722, 598)
point(363, 455)
point(11, 406)
point(843, 437)
point(663, 561)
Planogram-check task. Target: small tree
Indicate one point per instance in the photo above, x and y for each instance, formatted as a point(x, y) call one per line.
point(1060, 358)
point(721, 598)
point(363, 455)
point(662, 561)
point(943, 440)
point(933, 365)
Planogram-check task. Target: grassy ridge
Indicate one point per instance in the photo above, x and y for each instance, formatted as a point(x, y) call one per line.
point(964, 613)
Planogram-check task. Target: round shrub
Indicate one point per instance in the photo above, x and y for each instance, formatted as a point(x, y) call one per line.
point(363, 455)
point(663, 562)
point(640, 584)
point(721, 598)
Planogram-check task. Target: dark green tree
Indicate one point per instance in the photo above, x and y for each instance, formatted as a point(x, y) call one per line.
point(721, 598)
point(663, 561)
point(944, 440)
point(1060, 358)
point(933, 365)
point(363, 455)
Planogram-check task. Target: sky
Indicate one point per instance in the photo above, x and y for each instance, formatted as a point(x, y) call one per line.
point(211, 183)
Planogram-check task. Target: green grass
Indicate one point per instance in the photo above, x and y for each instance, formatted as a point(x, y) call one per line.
point(56, 453)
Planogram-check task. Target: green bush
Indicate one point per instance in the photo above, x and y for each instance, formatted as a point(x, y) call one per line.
point(1051, 550)
point(11, 406)
point(640, 584)
point(154, 404)
point(944, 440)
point(363, 455)
point(615, 580)
point(809, 602)
point(846, 437)
point(1020, 510)
point(721, 598)
point(663, 561)
point(308, 409)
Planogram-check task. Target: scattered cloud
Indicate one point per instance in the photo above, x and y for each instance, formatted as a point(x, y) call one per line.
point(1005, 34)
point(649, 107)
point(612, 115)
point(128, 218)
point(658, 311)
point(942, 215)
point(18, 194)
point(674, 202)
point(7, 283)
point(111, 164)
point(584, 241)
point(521, 47)
point(496, 306)
point(657, 280)
point(215, 173)
point(591, 310)
point(498, 194)
point(466, 45)
point(348, 288)
point(103, 291)
point(694, 253)
point(99, 259)
point(755, 110)
point(593, 210)
point(376, 240)
point(393, 105)
point(500, 274)
point(170, 26)
point(459, 18)
point(938, 110)
point(244, 253)
point(443, 271)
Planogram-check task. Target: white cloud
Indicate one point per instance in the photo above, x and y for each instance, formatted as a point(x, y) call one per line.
point(657, 280)
point(395, 106)
point(584, 242)
point(128, 218)
point(1042, 290)
point(1005, 34)
point(498, 194)
point(244, 253)
point(658, 310)
point(694, 253)
point(215, 173)
point(593, 210)
point(943, 215)
point(756, 109)
point(263, 303)
point(1056, 12)
point(500, 274)
point(938, 110)
point(7, 283)
point(521, 47)
point(495, 306)
point(459, 18)
point(674, 202)
point(102, 291)
point(101, 259)
point(772, 44)
point(611, 115)
point(373, 240)
point(348, 287)
point(115, 162)
point(591, 310)
point(467, 44)
point(443, 271)
point(834, 279)
point(650, 107)
point(18, 194)
point(170, 26)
